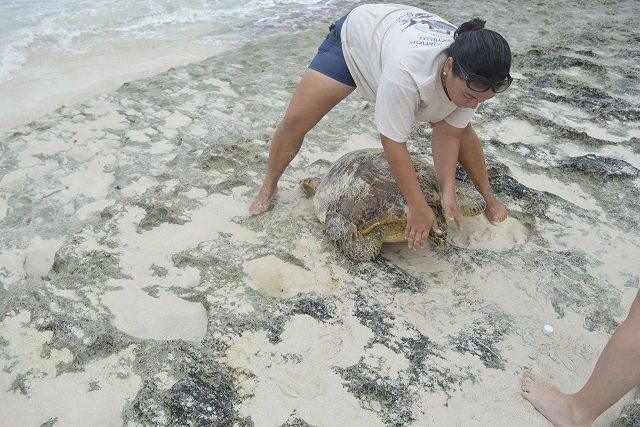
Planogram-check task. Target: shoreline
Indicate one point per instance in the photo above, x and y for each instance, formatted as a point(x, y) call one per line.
point(53, 78)
point(38, 90)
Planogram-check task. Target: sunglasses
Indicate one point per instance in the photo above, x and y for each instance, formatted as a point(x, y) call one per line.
point(482, 84)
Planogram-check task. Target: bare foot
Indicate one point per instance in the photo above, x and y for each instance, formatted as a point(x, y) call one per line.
point(549, 401)
point(263, 200)
point(495, 211)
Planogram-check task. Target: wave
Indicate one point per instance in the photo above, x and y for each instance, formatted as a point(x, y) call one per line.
point(75, 27)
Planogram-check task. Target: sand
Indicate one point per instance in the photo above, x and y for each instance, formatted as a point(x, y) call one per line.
point(137, 290)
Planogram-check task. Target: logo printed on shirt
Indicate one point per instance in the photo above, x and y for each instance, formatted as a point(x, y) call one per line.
point(430, 41)
point(426, 22)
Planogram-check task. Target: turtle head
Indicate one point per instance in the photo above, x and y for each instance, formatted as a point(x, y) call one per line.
point(309, 186)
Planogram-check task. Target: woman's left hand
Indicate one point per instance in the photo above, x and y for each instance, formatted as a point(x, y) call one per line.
point(495, 211)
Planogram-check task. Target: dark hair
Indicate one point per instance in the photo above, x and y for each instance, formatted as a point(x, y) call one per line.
point(480, 51)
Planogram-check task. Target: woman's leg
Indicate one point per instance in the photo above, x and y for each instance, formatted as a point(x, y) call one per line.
point(314, 97)
point(617, 372)
point(471, 157)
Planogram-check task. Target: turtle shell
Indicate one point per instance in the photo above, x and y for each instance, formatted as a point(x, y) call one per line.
point(360, 187)
point(360, 190)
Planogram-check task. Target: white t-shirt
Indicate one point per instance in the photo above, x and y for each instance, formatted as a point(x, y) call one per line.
point(395, 54)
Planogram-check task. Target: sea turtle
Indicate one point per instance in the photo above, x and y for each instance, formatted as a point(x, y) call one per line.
point(361, 205)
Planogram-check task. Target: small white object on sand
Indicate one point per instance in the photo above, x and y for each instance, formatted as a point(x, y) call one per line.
point(548, 329)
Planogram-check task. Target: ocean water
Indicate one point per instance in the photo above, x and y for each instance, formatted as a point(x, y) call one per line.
point(59, 52)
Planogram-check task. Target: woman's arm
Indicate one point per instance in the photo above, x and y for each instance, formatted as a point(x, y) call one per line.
point(420, 218)
point(445, 145)
point(472, 159)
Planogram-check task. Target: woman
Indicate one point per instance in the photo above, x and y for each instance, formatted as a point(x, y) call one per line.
point(416, 67)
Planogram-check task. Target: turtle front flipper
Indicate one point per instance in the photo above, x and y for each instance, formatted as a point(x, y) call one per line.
point(351, 242)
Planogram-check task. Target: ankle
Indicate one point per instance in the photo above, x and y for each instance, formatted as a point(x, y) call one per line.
point(580, 413)
point(268, 188)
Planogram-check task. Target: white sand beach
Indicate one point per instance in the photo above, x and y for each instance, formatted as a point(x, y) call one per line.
point(138, 291)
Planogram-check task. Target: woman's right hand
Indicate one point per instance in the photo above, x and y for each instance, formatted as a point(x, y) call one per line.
point(420, 221)
point(420, 217)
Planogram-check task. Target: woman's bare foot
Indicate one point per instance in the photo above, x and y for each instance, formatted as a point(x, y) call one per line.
point(262, 201)
point(556, 406)
point(495, 211)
